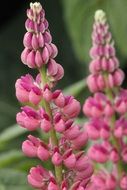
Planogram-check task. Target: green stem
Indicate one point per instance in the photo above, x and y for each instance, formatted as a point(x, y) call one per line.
point(115, 142)
point(54, 140)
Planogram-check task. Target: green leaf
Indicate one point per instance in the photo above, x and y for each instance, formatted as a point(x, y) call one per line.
point(2, 187)
point(11, 133)
point(5, 107)
point(13, 180)
point(25, 164)
point(79, 18)
point(81, 121)
point(10, 157)
point(7, 113)
point(75, 88)
point(116, 13)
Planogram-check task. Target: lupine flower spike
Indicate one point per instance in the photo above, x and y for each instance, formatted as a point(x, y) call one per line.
point(106, 111)
point(50, 111)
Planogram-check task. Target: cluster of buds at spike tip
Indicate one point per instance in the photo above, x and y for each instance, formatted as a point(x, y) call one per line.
point(39, 49)
point(104, 63)
point(106, 111)
point(50, 111)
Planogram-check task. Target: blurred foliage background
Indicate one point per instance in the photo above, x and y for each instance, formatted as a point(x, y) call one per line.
point(71, 26)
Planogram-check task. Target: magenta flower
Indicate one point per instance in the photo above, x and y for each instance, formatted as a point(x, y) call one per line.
point(103, 181)
point(28, 90)
point(28, 118)
point(106, 111)
point(69, 159)
point(38, 177)
point(51, 111)
point(123, 182)
point(98, 153)
point(57, 157)
point(97, 128)
point(30, 146)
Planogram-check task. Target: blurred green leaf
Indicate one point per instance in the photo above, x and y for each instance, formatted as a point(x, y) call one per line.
point(81, 121)
point(7, 113)
point(79, 17)
point(25, 164)
point(7, 108)
point(2, 187)
point(13, 180)
point(76, 88)
point(9, 157)
point(11, 133)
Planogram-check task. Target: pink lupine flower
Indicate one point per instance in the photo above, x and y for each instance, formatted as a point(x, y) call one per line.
point(103, 58)
point(103, 180)
point(121, 102)
point(64, 185)
point(123, 182)
point(105, 132)
point(30, 146)
point(27, 40)
point(55, 70)
point(28, 118)
point(23, 87)
point(118, 132)
point(80, 141)
point(47, 94)
point(51, 111)
point(71, 107)
point(99, 180)
point(59, 123)
point(82, 161)
point(56, 157)
point(97, 106)
point(118, 77)
point(53, 186)
point(69, 159)
point(59, 74)
point(120, 127)
point(114, 156)
point(93, 130)
point(38, 177)
point(96, 82)
point(84, 175)
point(97, 128)
point(124, 154)
point(24, 55)
point(35, 95)
point(45, 123)
point(106, 110)
point(111, 182)
point(34, 147)
point(38, 36)
point(36, 58)
point(72, 131)
point(77, 186)
point(98, 153)
point(27, 90)
point(43, 152)
point(59, 98)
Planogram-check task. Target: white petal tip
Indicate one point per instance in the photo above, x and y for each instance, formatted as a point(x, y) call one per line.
point(100, 16)
point(36, 7)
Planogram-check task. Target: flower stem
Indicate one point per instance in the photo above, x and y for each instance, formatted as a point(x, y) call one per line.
point(115, 142)
point(54, 140)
